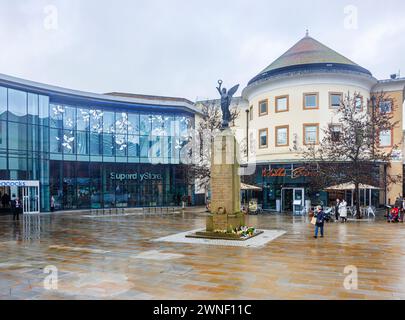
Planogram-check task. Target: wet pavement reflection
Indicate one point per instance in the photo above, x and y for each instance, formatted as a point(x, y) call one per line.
point(113, 257)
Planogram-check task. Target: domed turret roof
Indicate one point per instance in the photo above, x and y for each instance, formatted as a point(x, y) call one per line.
point(306, 55)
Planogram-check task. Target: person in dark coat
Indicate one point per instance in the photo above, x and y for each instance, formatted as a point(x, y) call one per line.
point(5, 200)
point(337, 210)
point(18, 208)
point(13, 208)
point(320, 221)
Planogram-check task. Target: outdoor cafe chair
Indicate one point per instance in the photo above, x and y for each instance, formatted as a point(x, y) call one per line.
point(370, 211)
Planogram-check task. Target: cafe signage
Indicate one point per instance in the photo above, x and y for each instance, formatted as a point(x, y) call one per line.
point(145, 176)
point(282, 172)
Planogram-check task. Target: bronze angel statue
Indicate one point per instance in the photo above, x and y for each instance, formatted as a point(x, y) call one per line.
point(226, 98)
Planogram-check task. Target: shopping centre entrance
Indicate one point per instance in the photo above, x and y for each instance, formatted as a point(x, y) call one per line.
point(26, 191)
point(293, 200)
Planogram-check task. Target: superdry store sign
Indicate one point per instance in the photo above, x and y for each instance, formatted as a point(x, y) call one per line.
point(135, 176)
point(282, 172)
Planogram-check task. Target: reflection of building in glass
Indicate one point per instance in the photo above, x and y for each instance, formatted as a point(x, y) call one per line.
point(73, 141)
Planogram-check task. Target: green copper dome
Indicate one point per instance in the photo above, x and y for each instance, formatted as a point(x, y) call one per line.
point(308, 54)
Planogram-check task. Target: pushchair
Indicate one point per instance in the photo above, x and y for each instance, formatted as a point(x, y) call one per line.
point(393, 216)
point(328, 214)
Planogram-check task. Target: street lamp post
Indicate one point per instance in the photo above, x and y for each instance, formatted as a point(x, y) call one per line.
point(247, 154)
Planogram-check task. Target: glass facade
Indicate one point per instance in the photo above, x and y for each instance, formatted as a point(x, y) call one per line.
point(92, 155)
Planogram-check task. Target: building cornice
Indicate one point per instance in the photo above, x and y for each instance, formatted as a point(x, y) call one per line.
point(309, 78)
point(390, 85)
point(63, 93)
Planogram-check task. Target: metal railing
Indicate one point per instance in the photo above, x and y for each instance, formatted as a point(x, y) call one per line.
point(124, 211)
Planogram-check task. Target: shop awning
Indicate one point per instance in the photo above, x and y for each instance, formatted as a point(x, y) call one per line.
point(244, 186)
point(351, 186)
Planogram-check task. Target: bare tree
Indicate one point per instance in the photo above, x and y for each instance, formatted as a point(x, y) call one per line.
point(350, 150)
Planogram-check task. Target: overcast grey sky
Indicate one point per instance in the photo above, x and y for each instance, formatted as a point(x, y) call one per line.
point(182, 47)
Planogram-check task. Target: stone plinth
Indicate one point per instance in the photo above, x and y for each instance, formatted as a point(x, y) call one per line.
point(225, 184)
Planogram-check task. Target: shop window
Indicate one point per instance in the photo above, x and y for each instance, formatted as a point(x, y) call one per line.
point(282, 104)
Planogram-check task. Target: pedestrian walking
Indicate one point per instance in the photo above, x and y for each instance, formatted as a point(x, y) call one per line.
point(343, 211)
point(337, 209)
point(5, 200)
point(15, 207)
point(52, 204)
point(320, 222)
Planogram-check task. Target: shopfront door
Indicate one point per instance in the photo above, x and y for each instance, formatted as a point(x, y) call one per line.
point(30, 200)
point(299, 201)
point(27, 191)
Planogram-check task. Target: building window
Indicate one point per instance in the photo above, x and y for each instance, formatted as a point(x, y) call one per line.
point(282, 136)
point(263, 138)
point(311, 101)
point(311, 134)
point(358, 103)
point(282, 103)
point(335, 99)
point(385, 106)
point(263, 107)
point(251, 113)
point(386, 138)
point(335, 130)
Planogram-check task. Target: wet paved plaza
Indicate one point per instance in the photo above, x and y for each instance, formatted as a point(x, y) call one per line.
point(115, 258)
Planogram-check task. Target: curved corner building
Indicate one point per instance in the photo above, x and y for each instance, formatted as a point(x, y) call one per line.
point(91, 150)
point(291, 101)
